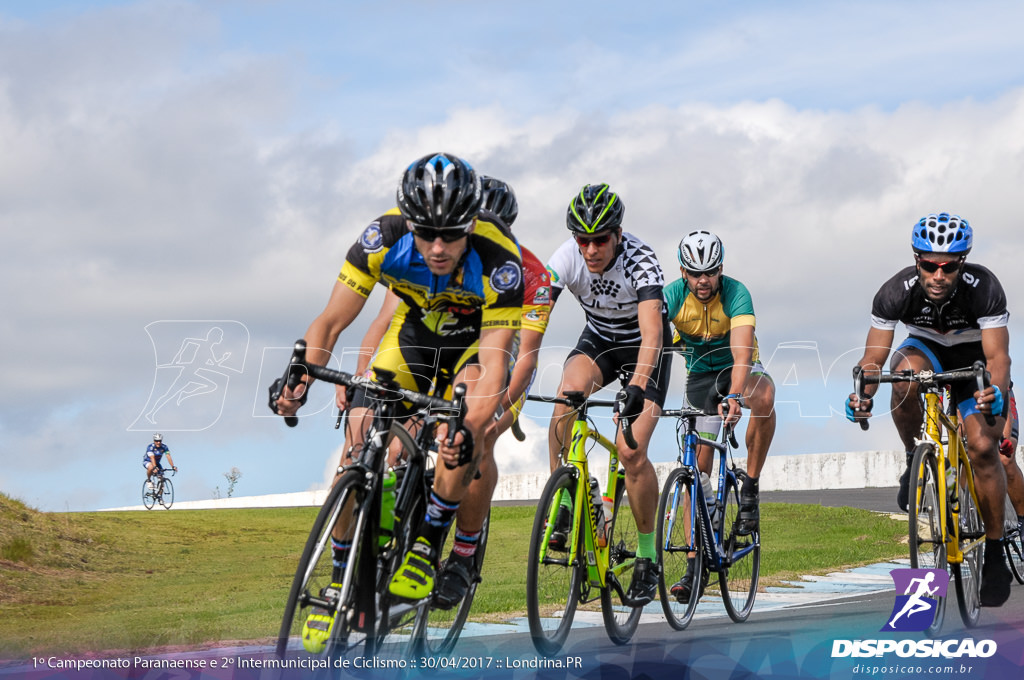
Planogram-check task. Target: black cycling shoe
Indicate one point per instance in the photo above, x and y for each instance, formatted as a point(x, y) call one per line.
point(995, 575)
point(749, 517)
point(560, 533)
point(683, 590)
point(644, 586)
point(457, 575)
point(903, 495)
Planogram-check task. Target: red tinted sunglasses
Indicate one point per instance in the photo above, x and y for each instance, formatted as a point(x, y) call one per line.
point(930, 267)
point(584, 241)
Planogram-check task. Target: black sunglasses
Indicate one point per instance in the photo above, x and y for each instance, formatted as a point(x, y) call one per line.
point(710, 273)
point(450, 235)
point(950, 267)
point(583, 241)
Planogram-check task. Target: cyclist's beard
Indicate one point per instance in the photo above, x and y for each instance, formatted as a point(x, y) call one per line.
point(710, 296)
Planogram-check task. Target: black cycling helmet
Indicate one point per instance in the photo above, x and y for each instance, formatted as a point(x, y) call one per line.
point(441, 191)
point(595, 209)
point(499, 199)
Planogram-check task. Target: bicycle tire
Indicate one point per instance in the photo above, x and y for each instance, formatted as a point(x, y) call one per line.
point(395, 633)
point(739, 577)
point(440, 629)
point(620, 620)
point(1014, 545)
point(314, 571)
point(967, 575)
point(554, 585)
point(674, 545)
point(926, 537)
point(148, 496)
point(166, 494)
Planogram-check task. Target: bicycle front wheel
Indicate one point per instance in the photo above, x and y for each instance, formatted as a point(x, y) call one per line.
point(553, 570)
point(967, 574)
point(926, 536)
point(739, 576)
point(674, 547)
point(441, 627)
point(148, 496)
point(1014, 544)
point(620, 620)
point(318, 584)
point(166, 493)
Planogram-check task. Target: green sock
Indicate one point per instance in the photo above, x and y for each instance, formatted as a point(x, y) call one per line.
point(645, 547)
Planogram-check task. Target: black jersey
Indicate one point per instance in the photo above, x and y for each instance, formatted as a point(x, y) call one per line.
point(977, 302)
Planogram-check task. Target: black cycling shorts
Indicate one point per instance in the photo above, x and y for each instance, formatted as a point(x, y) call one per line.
point(610, 358)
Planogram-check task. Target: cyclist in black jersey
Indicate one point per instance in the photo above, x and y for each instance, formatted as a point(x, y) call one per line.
point(618, 281)
point(955, 313)
point(460, 281)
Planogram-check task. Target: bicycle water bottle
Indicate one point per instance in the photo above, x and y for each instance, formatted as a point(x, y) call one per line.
point(597, 508)
point(709, 497)
point(387, 508)
point(950, 480)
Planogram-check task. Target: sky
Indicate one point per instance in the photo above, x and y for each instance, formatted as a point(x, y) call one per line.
point(176, 173)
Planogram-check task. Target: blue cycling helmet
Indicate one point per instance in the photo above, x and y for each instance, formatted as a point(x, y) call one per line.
point(942, 233)
point(441, 191)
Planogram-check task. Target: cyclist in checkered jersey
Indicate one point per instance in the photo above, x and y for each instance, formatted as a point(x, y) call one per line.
point(618, 281)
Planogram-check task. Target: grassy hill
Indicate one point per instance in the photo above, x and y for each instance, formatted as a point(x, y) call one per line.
point(127, 581)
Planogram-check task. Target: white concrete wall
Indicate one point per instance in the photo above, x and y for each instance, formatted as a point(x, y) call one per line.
point(856, 470)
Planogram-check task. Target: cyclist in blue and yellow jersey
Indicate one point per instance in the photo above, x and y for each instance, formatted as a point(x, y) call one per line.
point(499, 206)
point(460, 281)
point(955, 314)
point(618, 281)
point(714, 316)
point(151, 460)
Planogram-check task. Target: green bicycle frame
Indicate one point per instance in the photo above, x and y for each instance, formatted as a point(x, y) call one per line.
point(583, 518)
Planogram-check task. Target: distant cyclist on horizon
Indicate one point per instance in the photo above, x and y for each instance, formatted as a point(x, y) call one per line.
point(153, 456)
point(955, 313)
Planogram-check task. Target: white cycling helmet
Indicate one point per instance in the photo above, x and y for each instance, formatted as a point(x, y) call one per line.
point(700, 251)
point(158, 437)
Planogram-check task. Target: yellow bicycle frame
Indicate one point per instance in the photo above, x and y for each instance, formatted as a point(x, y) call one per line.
point(955, 452)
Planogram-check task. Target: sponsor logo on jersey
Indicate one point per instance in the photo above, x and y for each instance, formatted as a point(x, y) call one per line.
point(506, 277)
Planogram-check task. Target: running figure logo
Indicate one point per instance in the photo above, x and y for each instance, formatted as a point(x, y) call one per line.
point(194, 363)
point(914, 610)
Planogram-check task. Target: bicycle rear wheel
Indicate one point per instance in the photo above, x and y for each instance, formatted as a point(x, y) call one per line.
point(440, 628)
point(148, 495)
point(926, 537)
point(620, 620)
point(674, 546)
point(553, 577)
point(739, 576)
point(1014, 544)
point(166, 494)
point(967, 575)
point(316, 573)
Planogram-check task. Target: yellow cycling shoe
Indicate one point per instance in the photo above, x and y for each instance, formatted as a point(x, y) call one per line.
point(316, 631)
point(415, 578)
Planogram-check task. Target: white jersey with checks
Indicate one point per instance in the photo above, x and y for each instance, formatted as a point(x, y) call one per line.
point(610, 298)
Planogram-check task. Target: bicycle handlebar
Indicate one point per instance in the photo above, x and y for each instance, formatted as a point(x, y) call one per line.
point(976, 372)
point(575, 400)
point(298, 366)
point(729, 430)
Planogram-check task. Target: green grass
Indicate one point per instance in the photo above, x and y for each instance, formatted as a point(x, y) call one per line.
point(139, 580)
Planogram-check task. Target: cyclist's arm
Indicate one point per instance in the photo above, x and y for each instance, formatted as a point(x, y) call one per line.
point(342, 308)
point(741, 344)
point(489, 389)
point(526, 364)
point(995, 343)
point(876, 351)
point(650, 322)
point(375, 333)
point(170, 460)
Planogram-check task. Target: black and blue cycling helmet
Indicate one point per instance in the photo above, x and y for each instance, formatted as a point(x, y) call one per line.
point(499, 199)
point(942, 233)
point(441, 191)
point(594, 209)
